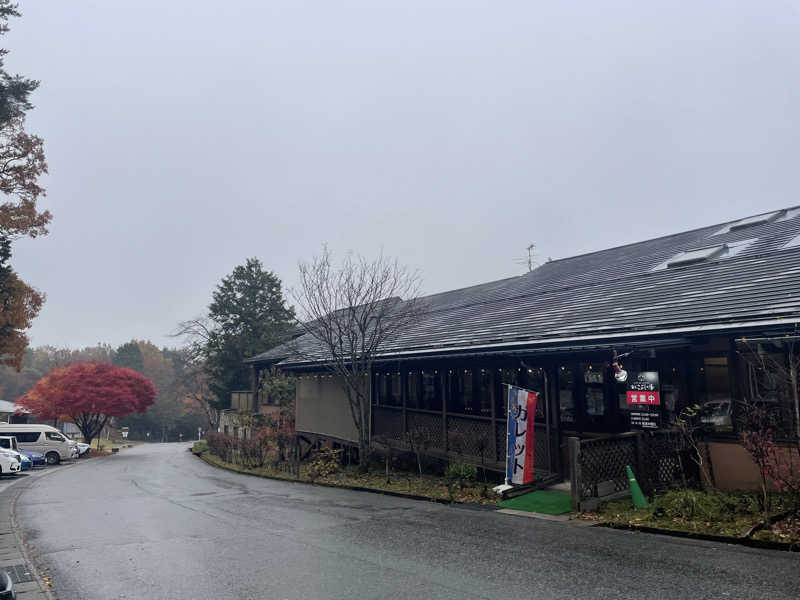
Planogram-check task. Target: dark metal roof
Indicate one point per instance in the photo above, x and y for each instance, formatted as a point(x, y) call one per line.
point(624, 291)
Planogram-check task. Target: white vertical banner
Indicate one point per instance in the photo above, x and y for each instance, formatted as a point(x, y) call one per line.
point(521, 415)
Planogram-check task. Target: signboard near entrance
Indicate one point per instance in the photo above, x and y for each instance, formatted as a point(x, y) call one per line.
point(521, 414)
point(644, 394)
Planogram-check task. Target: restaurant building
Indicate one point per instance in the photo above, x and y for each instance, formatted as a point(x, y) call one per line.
point(693, 308)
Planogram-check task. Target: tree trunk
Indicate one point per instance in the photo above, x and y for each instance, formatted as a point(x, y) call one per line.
point(363, 434)
point(363, 451)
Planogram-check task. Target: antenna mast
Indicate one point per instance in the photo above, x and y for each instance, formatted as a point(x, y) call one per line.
point(531, 256)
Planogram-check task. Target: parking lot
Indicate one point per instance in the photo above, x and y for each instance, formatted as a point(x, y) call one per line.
point(7, 480)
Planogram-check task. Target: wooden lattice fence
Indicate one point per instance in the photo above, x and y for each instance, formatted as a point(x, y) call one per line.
point(659, 459)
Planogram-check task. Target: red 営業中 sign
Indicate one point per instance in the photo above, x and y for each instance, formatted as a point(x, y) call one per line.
point(648, 398)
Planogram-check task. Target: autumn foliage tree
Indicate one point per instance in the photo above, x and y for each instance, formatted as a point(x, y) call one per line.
point(22, 163)
point(89, 394)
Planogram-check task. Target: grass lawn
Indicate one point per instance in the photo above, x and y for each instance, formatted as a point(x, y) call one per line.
point(711, 513)
point(97, 443)
point(540, 501)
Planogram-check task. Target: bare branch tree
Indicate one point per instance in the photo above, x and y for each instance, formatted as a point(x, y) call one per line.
point(783, 366)
point(192, 382)
point(350, 313)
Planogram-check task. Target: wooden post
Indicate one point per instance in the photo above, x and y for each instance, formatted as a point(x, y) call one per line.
point(493, 400)
point(297, 456)
point(404, 399)
point(443, 383)
point(643, 477)
point(575, 472)
point(255, 405)
point(545, 393)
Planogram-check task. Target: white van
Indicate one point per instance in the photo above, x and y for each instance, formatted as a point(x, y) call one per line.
point(42, 438)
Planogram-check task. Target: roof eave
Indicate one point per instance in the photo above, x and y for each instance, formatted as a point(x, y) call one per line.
point(561, 341)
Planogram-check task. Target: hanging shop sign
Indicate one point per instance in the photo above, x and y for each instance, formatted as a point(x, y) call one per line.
point(644, 398)
point(521, 418)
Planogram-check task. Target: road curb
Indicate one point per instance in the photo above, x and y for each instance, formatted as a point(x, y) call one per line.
point(355, 488)
point(706, 537)
point(9, 496)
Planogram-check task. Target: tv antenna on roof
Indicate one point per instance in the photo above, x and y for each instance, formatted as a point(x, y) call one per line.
point(531, 258)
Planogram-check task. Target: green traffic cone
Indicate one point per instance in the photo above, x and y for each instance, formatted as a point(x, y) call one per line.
point(639, 500)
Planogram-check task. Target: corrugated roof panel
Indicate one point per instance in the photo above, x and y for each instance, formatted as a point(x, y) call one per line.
point(618, 290)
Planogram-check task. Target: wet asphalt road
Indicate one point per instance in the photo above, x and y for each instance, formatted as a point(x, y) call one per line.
point(156, 522)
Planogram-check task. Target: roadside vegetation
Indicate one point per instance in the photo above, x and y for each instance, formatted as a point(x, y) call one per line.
point(770, 513)
point(733, 514)
point(176, 412)
point(265, 456)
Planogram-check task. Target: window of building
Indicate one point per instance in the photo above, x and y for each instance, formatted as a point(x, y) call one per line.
point(793, 243)
point(481, 391)
point(431, 390)
point(757, 220)
point(505, 376)
point(690, 257)
point(534, 381)
point(389, 388)
point(412, 389)
point(469, 391)
point(671, 402)
point(527, 377)
point(594, 390)
point(566, 398)
point(461, 397)
point(396, 396)
point(712, 391)
point(768, 388)
point(763, 384)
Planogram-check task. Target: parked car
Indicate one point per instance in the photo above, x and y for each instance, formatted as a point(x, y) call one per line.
point(37, 458)
point(8, 462)
point(7, 591)
point(25, 463)
point(9, 444)
point(83, 449)
point(42, 438)
point(717, 415)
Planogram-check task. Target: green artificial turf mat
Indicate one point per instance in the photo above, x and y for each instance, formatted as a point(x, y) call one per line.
point(540, 501)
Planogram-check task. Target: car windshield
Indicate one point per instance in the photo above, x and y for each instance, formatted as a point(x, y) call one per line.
point(716, 409)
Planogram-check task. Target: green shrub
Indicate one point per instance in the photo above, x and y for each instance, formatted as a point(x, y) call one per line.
point(687, 504)
point(325, 462)
point(460, 473)
point(199, 447)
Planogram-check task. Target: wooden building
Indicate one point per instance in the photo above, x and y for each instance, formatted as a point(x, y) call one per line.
point(693, 307)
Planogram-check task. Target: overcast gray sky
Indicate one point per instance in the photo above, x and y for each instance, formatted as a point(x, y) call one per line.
point(185, 136)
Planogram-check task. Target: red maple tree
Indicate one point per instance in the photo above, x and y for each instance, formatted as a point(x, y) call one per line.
point(90, 394)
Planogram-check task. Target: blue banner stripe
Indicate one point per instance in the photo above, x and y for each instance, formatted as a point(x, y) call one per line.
point(512, 432)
